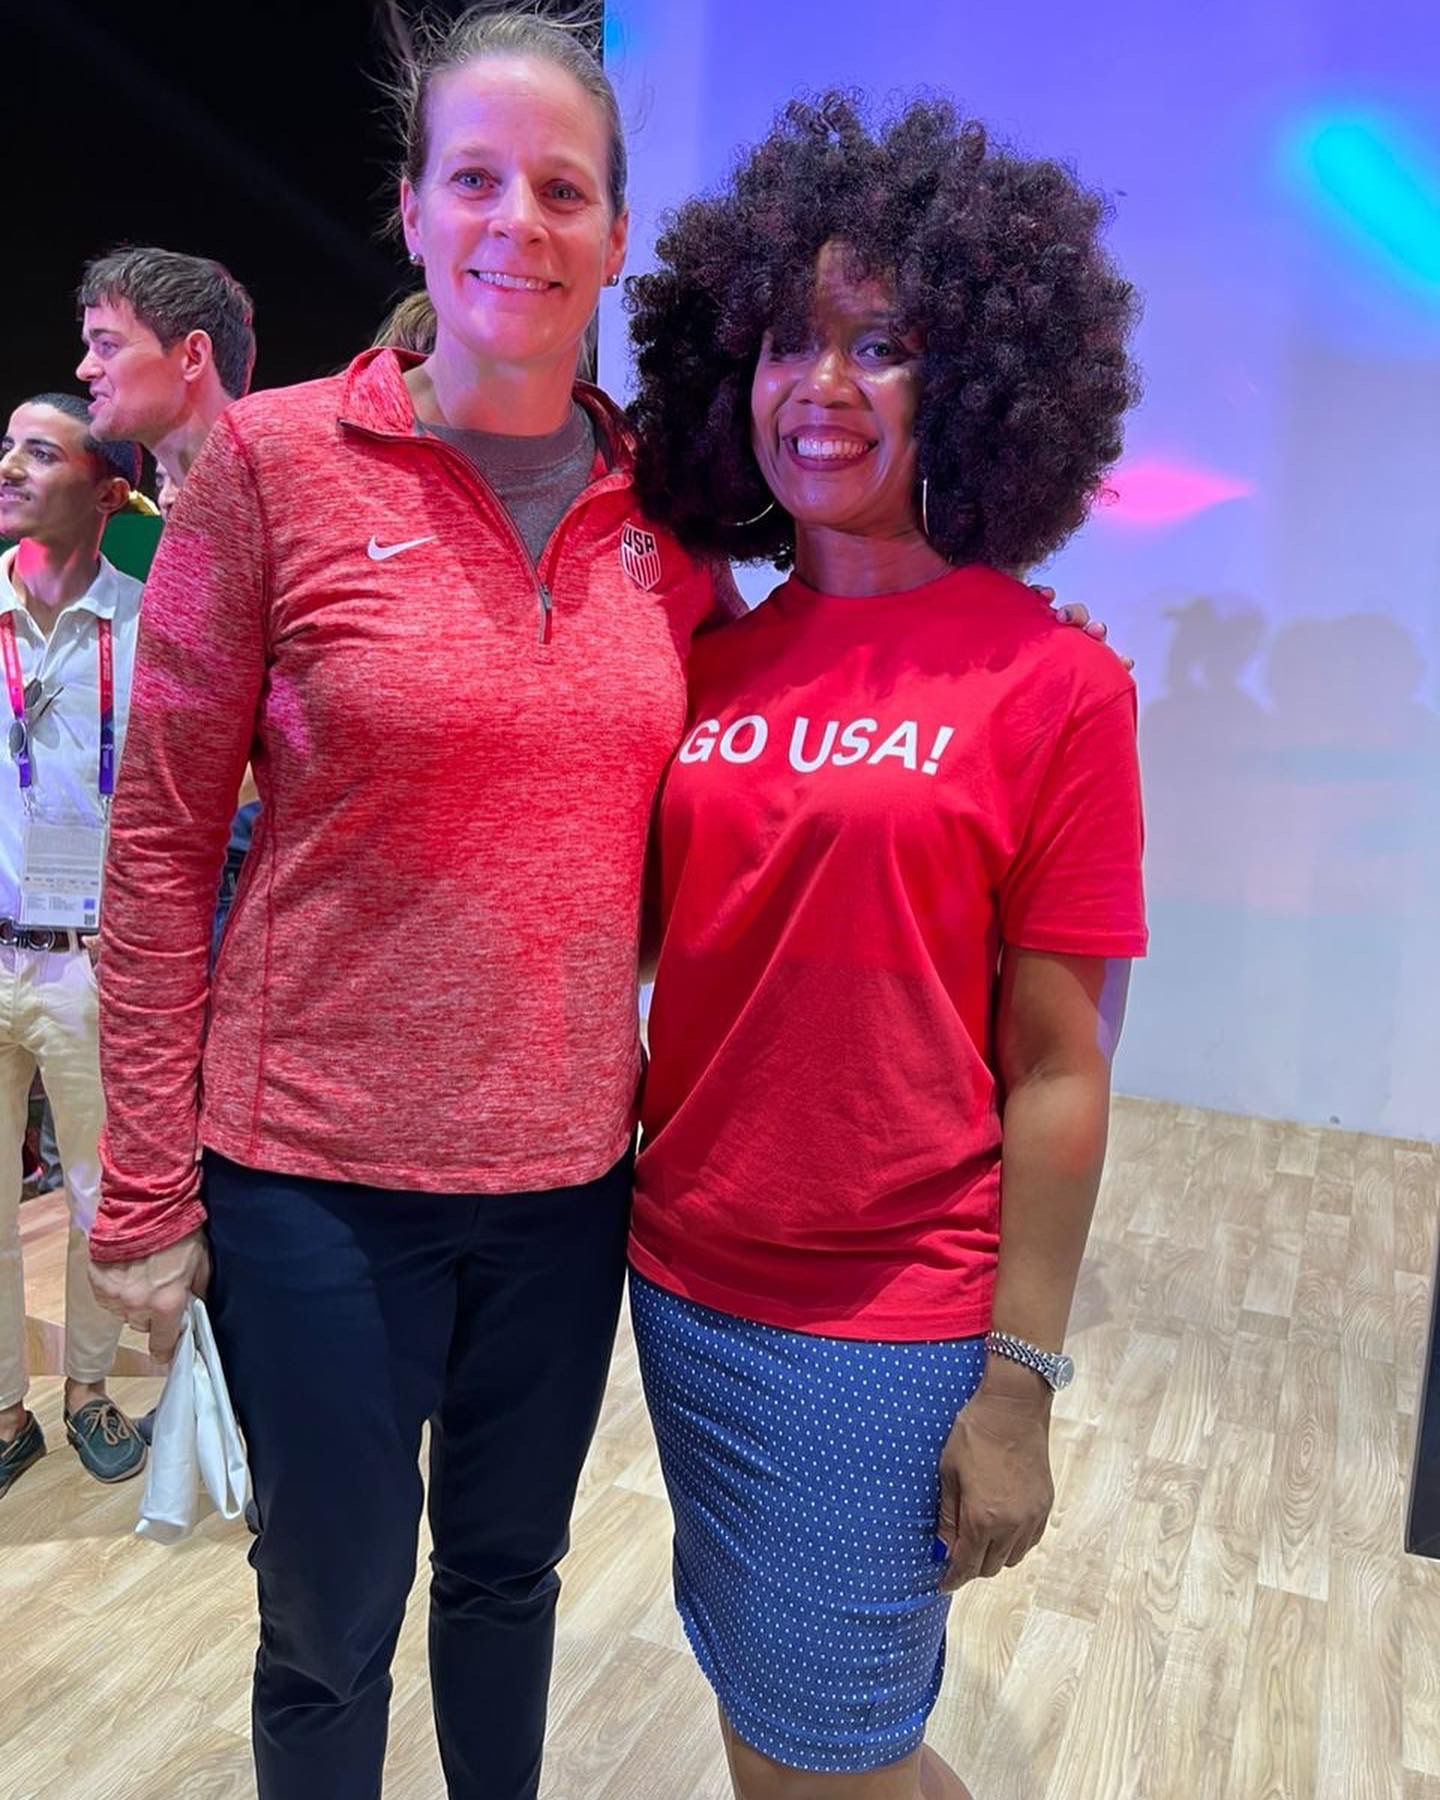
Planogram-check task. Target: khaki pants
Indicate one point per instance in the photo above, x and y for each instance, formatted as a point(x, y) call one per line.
point(50, 1019)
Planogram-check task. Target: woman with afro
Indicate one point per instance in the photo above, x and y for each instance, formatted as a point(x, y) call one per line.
point(898, 880)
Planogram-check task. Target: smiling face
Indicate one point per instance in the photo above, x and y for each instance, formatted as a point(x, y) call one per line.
point(52, 489)
point(511, 216)
point(833, 420)
point(137, 387)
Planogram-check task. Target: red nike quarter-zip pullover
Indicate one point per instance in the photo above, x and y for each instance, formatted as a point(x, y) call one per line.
point(429, 977)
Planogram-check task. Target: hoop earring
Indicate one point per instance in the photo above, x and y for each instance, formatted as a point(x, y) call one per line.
point(925, 506)
point(740, 524)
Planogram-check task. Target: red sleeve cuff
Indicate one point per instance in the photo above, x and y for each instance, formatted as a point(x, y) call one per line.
point(139, 1228)
point(1080, 943)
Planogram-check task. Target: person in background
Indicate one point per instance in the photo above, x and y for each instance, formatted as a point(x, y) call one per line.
point(409, 325)
point(898, 874)
point(67, 630)
point(169, 343)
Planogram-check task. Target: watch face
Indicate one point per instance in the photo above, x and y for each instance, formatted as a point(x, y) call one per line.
point(1064, 1372)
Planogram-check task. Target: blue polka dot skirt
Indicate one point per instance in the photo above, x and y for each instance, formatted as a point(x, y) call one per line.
point(804, 1477)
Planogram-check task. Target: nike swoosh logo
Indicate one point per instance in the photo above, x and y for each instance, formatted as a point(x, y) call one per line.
point(378, 552)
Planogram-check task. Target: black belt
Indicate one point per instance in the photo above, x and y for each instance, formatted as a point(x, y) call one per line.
point(40, 937)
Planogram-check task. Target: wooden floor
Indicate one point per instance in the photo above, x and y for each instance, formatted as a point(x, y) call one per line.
point(1221, 1611)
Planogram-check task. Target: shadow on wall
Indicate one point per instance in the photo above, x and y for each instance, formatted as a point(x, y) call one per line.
point(1294, 874)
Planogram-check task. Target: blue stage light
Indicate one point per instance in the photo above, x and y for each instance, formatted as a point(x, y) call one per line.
point(1383, 187)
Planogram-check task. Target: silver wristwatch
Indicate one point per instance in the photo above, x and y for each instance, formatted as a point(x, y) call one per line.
point(1052, 1366)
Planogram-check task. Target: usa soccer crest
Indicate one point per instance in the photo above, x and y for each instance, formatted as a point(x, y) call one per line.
point(640, 557)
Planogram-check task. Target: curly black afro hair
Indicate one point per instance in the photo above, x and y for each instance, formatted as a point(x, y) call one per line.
point(995, 261)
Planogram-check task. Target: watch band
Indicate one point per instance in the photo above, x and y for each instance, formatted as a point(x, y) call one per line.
point(1053, 1367)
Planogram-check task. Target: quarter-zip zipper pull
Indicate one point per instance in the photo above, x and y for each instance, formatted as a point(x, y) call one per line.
point(547, 610)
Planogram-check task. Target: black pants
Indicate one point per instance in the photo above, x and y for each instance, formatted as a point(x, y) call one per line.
point(346, 1317)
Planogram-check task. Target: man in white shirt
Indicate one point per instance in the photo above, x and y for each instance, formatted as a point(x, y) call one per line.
point(68, 622)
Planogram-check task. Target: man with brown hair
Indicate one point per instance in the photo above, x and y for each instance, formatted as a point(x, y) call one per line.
point(169, 343)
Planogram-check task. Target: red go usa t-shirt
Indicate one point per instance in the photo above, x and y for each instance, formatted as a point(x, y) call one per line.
point(872, 798)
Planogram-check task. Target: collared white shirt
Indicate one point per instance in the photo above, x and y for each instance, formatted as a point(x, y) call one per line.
point(65, 745)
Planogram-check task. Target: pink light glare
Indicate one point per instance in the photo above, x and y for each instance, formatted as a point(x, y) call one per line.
point(1150, 494)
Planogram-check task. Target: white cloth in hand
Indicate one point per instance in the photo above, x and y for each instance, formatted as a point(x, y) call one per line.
point(196, 1440)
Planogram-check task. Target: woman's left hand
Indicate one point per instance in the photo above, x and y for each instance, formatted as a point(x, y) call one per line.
point(996, 1489)
point(1076, 613)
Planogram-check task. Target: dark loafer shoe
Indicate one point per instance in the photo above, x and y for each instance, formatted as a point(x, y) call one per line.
point(26, 1447)
point(106, 1441)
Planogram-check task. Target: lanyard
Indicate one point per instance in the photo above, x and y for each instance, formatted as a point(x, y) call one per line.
point(106, 777)
point(15, 684)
